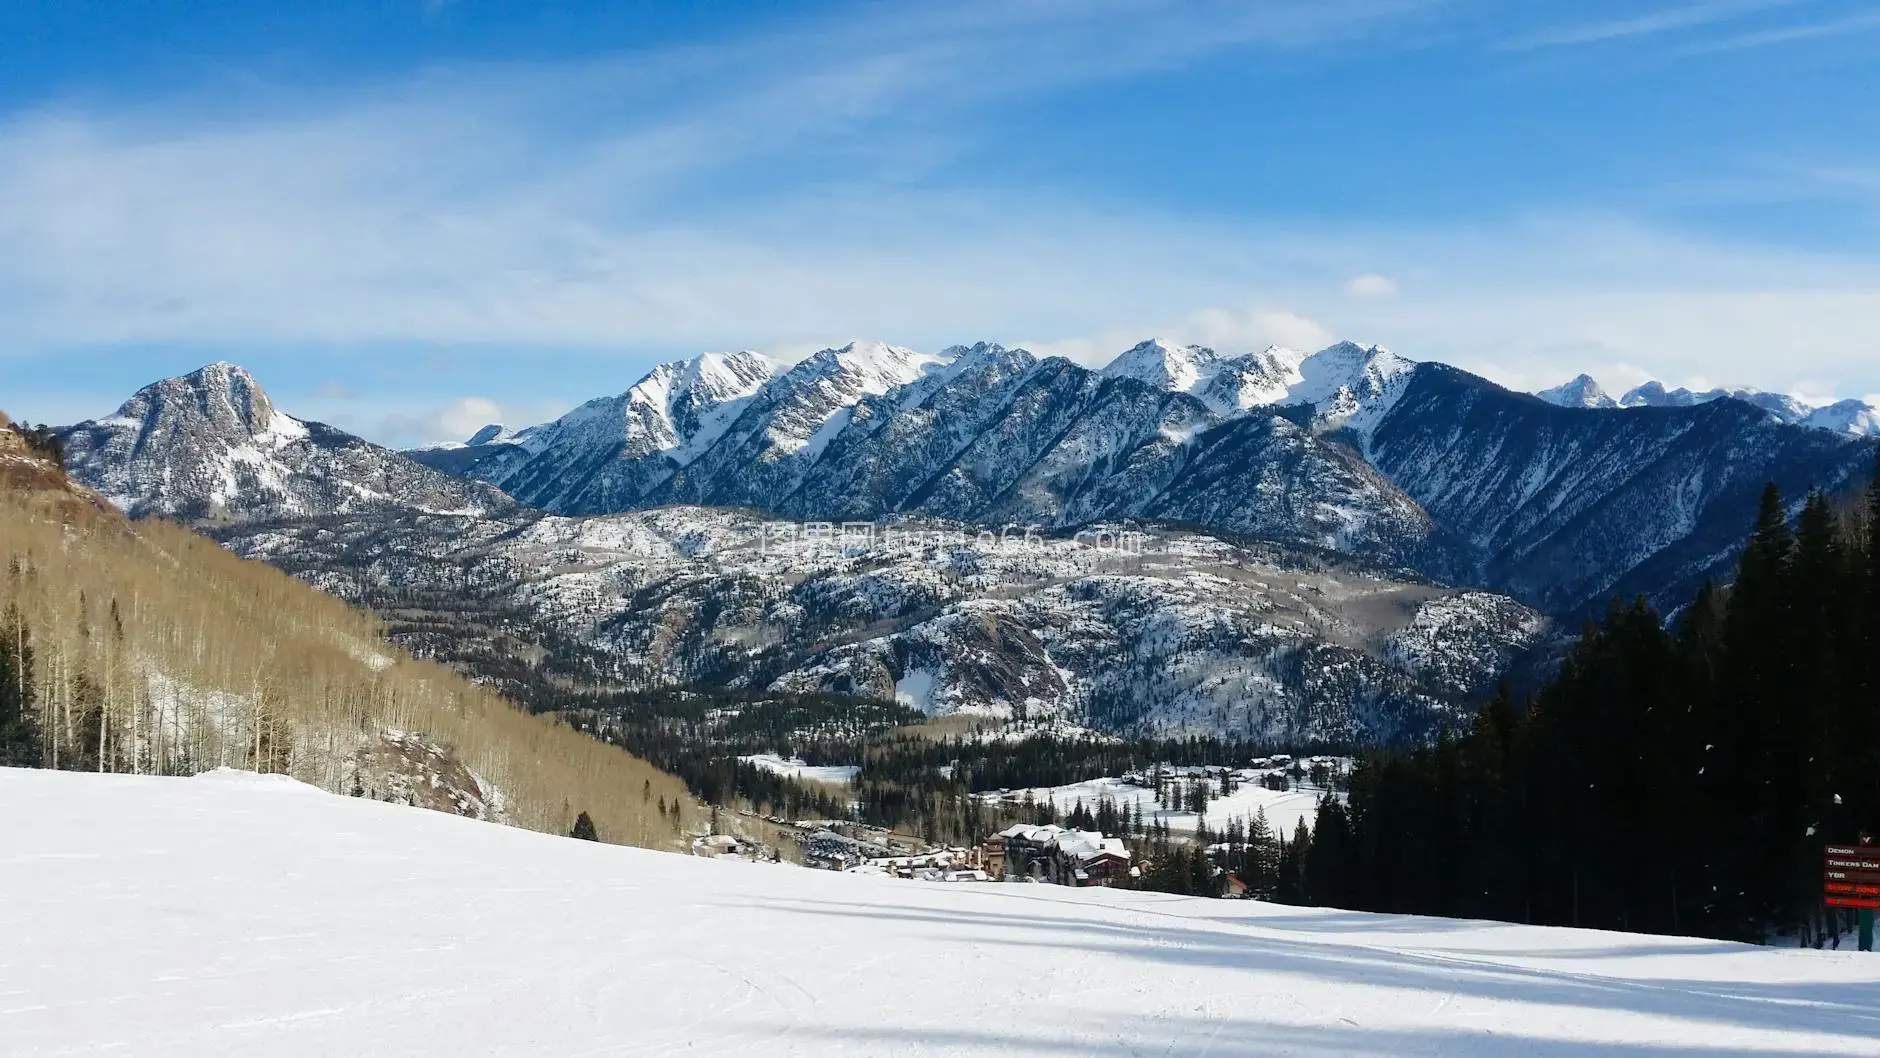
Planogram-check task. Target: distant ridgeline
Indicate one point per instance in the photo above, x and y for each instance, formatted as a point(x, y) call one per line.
point(146, 648)
point(1669, 780)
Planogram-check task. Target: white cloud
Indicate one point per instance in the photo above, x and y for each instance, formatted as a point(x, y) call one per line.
point(467, 415)
point(536, 204)
point(1371, 285)
point(453, 421)
point(556, 209)
point(404, 421)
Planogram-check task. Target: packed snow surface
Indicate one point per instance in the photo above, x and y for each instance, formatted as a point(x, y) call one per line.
point(156, 916)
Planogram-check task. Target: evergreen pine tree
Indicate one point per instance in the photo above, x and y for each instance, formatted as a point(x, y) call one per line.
point(1292, 868)
point(1262, 860)
point(584, 828)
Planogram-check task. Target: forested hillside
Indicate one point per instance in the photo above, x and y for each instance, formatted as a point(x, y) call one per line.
point(1674, 779)
point(145, 648)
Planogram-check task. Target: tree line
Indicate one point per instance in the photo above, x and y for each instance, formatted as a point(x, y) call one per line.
point(1674, 777)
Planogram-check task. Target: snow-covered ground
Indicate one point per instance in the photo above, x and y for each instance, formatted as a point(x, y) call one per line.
point(1284, 808)
point(792, 768)
point(243, 915)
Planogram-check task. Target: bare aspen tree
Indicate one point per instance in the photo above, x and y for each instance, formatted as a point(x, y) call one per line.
point(221, 660)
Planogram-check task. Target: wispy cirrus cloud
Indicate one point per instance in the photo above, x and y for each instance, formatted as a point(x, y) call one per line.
point(1850, 25)
point(630, 197)
point(1664, 20)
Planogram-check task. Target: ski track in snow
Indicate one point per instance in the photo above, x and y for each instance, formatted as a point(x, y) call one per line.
point(156, 916)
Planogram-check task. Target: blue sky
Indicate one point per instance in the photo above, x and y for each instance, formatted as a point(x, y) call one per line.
point(410, 218)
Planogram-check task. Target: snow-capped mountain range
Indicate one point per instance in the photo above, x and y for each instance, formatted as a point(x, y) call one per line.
point(1854, 418)
point(1401, 470)
point(1548, 499)
point(982, 433)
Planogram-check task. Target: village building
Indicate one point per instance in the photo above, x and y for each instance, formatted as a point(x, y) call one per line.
point(1053, 854)
point(831, 852)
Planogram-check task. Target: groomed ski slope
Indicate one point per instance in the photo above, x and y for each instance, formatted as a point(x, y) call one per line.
point(235, 914)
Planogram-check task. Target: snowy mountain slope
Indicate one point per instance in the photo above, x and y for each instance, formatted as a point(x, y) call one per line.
point(891, 448)
point(1165, 631)
point(1270, 478)
point(246, 915)
point(1565, 508)
point(1001, 439)
point(1226, 384)
point(768, 449)
point(1852, 417)
point(611, 452)
point(211, 445)
point(1350, 386)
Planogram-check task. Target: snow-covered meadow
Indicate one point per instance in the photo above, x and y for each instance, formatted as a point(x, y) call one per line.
point(794, 768)
point(1284, 808)
point(236, 914)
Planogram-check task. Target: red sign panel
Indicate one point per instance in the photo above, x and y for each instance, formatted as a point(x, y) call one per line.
point(1851, 876)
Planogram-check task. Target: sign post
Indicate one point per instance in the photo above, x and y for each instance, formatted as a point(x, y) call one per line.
point(1850, 877)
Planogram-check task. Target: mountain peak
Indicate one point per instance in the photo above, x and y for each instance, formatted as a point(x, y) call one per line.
point(1165, 365)
point(211, 444)
point(493, 432)
point(1855, 418)
point(720, 373)
point(1347, 347)
point(1582, 392)
point(965, 357)
point(1653, 394)
point(224, 397)
point(875, 367)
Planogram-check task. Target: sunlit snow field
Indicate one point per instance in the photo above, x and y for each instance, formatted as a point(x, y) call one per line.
point(237, 914)
point(1283, 808)
point(792, 768)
